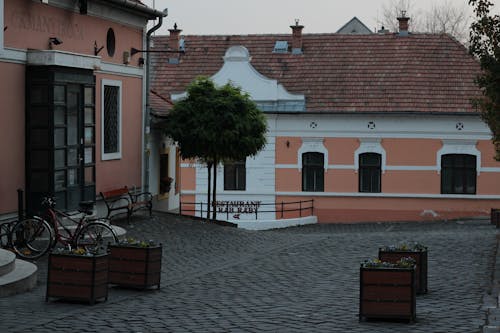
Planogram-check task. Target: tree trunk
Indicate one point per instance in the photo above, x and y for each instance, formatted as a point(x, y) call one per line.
point(209, 169)
point(214, 198)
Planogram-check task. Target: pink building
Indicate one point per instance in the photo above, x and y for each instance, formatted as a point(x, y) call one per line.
point(372, 126)
point(73, 99)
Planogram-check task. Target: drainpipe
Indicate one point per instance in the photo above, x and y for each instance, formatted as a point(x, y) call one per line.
point(146, 118)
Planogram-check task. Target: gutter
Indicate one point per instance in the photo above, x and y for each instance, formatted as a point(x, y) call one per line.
point(147, 109)
point(139, 7)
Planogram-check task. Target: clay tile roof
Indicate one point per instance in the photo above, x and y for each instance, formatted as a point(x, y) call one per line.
point(340, 73)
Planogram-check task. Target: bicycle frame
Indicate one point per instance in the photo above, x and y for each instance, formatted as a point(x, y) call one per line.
point(54, 218)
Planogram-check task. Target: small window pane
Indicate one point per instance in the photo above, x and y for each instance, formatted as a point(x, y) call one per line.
point(60, 158)
point(89, 135)
point(59, 115)
point(59, 94)
point(111, 114)
point(89, 155)
point(89, 116)
point(59, 137)
point(72, 156)
point(89, 95)
point(89, 175)
point(60, 180)
point(235, 176)
point(458, 174)
point(73, 177)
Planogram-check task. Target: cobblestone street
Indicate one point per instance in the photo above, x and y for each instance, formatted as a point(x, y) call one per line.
point(301, 279)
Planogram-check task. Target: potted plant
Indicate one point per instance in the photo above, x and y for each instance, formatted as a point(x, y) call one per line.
point(135, 264)
point(77, 275)
point(413, 250)
point(387, 290)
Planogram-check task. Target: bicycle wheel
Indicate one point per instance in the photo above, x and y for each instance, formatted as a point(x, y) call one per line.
point(31, 238)
point(95, 237)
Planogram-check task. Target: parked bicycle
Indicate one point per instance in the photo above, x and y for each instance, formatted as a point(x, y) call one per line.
point(31, 238)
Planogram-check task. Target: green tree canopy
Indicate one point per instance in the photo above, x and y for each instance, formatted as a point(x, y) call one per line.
point(485, 45)
point(215, 124)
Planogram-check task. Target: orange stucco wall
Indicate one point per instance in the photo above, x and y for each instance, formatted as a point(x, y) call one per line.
point(127, 170)
point(377, 209)
point(341, 150)
point(12, 134)
point(287, 153)
point(397, 181)
point(487, 154)
point(30, 24)
point(411, 151)
point(188, 178)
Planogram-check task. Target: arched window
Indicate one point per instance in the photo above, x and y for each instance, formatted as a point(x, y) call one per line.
point(313, 172)
point(370, 172)
point(458, 174)
point(235, 176)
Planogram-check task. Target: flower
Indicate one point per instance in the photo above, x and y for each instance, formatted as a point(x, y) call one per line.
point(79, 251)
point(405, 246)
point(405, 262)
point(130, 241)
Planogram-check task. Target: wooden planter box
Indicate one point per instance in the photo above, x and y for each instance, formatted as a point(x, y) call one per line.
point(387, 293)
point(495, 217)
point(77, 277)
point(135, 267)
point(420, 258)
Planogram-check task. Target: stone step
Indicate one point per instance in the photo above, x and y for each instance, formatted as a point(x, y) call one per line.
point(22, 278)
point(7, 262)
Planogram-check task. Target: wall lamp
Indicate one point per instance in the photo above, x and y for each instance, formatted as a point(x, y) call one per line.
point(54, 41)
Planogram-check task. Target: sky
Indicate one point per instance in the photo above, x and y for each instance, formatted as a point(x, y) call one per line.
point(220, 17)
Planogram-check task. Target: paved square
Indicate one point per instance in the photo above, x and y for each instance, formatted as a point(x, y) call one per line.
point(302, 279)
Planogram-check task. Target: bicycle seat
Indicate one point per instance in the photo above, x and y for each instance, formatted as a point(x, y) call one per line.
point(86, 207)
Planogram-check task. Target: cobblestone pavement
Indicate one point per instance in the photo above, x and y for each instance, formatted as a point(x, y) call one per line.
point(301, 279)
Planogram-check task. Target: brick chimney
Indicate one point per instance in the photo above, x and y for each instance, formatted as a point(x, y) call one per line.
point(174, 39)
point(297, 37)
point(403, 24)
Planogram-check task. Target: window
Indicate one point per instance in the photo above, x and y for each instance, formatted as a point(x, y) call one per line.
point(111, 120)
point(235, 176)
point(313, 172)
point(369, 172)
point(458, 174)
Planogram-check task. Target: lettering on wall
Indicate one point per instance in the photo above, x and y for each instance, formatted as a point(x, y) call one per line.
point(237, 207)
point(58, 26)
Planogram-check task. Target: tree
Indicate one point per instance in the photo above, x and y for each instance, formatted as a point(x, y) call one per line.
point(216, 124)
point(446, 17)
point(485, 45)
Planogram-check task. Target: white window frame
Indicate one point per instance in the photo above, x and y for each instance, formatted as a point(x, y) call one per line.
point(312, 145)
point(461, 147)
point(116, 155)
point(370, 145)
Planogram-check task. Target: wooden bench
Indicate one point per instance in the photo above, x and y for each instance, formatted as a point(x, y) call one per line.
point(122, 200)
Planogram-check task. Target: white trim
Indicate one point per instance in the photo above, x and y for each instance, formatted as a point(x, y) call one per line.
point(312, 145)
point(411, 167)
point(117, 155)
point(13, 55)
point(111, 68)
point(492, 169)
point(370, 145)
point(61, 58)
point(459, 147)
point(387, 167)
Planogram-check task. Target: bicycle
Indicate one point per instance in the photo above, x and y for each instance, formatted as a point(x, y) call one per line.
point(32, 237)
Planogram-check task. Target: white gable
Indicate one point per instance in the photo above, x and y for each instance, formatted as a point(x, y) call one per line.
point(238, 71)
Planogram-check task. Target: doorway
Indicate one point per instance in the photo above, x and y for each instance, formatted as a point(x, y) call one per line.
point(60, 136)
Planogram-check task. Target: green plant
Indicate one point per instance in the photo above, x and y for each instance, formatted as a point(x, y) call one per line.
point(130, 241)
point(405, 262)
point(405, 246)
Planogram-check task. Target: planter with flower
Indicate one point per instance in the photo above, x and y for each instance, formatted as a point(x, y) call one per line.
point(76, 274)
point(135, 264)
point(413, 250)
point(387, 290)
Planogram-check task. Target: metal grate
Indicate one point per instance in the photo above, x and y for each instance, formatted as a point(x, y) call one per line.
point(111, 118)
